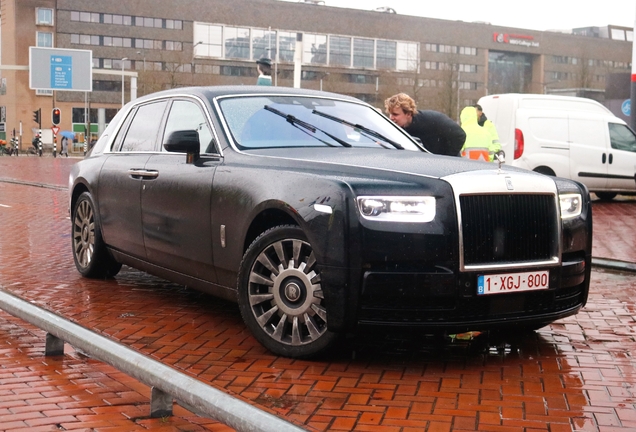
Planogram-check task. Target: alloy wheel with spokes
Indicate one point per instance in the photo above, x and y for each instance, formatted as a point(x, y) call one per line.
point(281, 294)
point(84, 233)
point(91, 257)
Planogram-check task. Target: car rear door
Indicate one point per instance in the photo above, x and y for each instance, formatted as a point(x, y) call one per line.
point(176, 213)
point(120, 181)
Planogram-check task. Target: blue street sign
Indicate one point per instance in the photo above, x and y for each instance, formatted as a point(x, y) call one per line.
point(61, 72)
point(626, 107)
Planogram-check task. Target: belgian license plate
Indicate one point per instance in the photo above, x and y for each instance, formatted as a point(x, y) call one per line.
point(512, 282)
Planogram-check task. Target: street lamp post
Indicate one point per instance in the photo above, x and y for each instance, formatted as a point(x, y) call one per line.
point(192, 64)
point(123, 61)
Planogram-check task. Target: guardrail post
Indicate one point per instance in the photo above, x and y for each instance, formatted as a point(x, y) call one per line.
point(160, 403)
point(53, 346)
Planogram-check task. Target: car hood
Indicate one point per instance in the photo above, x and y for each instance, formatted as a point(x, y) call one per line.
point(407, 162)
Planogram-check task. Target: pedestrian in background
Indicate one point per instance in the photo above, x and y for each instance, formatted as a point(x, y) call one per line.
point(483, 121)
point(438, 133)
point(478, 139)
point(64, 146)
point(264, 67)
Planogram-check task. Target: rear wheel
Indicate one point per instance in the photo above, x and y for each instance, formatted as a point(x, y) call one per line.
point(91, 257)
point(544, 170)
point(605, 196)
point(280, 294)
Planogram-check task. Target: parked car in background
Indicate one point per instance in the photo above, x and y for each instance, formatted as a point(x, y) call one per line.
point(316, 214)
point(571, 137)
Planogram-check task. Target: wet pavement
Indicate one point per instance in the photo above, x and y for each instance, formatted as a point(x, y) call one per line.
point(576, 374)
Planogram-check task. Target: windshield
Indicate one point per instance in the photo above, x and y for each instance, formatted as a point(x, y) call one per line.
point(258, 122)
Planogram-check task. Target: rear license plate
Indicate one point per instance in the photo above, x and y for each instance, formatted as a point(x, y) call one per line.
point(512, 282)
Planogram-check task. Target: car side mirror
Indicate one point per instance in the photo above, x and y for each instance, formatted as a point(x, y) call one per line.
point(184, 141)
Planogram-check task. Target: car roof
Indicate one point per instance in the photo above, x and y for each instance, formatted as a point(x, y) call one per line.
point(212, 92)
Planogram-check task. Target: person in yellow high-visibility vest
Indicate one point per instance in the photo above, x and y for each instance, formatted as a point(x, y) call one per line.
point(478, 140)
point(482, 120)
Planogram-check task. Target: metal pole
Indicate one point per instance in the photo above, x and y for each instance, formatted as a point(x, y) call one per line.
point(122, 80)
point(633, 87)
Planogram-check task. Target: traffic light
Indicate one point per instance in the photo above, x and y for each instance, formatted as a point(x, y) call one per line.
point(36, 115)
point(56, 115)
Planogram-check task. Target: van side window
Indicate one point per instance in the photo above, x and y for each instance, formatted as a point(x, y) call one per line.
point(622, 137)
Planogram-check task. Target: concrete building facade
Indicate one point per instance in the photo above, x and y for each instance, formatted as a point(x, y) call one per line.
point(444, 65)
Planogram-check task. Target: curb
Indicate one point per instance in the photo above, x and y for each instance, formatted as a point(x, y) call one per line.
point(614, 264)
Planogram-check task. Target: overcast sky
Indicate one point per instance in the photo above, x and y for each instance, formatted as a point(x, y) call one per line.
point(535, 14)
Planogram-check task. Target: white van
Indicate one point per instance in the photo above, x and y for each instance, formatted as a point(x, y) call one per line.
point(569, 137)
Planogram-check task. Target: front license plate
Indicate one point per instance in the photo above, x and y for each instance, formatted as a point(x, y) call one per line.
point(512, 282)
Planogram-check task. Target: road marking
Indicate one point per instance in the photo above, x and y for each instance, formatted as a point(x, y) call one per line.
point(4, 205)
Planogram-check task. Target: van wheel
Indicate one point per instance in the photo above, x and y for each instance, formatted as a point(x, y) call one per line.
point(605, 196)
point(545, 170)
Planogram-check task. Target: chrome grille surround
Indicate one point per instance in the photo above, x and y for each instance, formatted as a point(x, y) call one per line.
point(518, 189)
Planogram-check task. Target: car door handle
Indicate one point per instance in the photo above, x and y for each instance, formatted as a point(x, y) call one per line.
point(604, 157)
point(611, 158)
point(143, 174)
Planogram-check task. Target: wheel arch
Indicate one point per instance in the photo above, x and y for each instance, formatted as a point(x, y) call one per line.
point(78, 189)
point(543, 169)
point(264, 220)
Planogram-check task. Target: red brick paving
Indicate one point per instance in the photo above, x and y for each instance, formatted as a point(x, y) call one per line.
point(577, 374)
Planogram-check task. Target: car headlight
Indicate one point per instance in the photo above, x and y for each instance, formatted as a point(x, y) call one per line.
point(397, 208)
point(571, 205)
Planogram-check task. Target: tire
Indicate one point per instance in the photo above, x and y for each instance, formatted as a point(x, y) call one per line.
point(606, 196)
point(91, 257)
point(545, 171)
point(280, 294)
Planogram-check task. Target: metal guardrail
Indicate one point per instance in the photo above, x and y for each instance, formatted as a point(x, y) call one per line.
point(166, 383)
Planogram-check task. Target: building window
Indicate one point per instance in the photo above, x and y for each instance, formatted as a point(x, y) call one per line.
point(314, 49)
point(174, 24)
point(386, 54)
point(407, 56)
point(361, 79)
point(339, 51)
point(238, 71)
point(212, 38)
point(263, 43)
point(363, 53)
point(286, 46)
point(310, 75)
point(236, 41)
point(44, 16)
point(44, 39)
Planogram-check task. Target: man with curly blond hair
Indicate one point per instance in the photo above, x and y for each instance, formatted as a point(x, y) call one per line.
point(438, 133)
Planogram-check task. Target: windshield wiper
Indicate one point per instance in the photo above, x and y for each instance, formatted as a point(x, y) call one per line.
point(297, 122)
point(370, 133)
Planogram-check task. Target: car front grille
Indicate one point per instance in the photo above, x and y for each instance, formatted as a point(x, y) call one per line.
point(505, 229)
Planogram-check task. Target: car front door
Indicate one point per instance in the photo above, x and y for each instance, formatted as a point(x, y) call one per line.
point(120, 181)
point(588, 151)
point(176, 213)
point(622, 162)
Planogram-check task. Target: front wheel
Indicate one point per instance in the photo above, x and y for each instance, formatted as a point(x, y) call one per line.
point(606, 196)
point(91, 257)
point(280, 294)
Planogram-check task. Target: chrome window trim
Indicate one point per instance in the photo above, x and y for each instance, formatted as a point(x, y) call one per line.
point(169, 98)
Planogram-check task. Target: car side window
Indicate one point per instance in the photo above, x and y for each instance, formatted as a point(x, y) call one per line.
point(142, 133)
point(187, 115)
point(622, 137)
